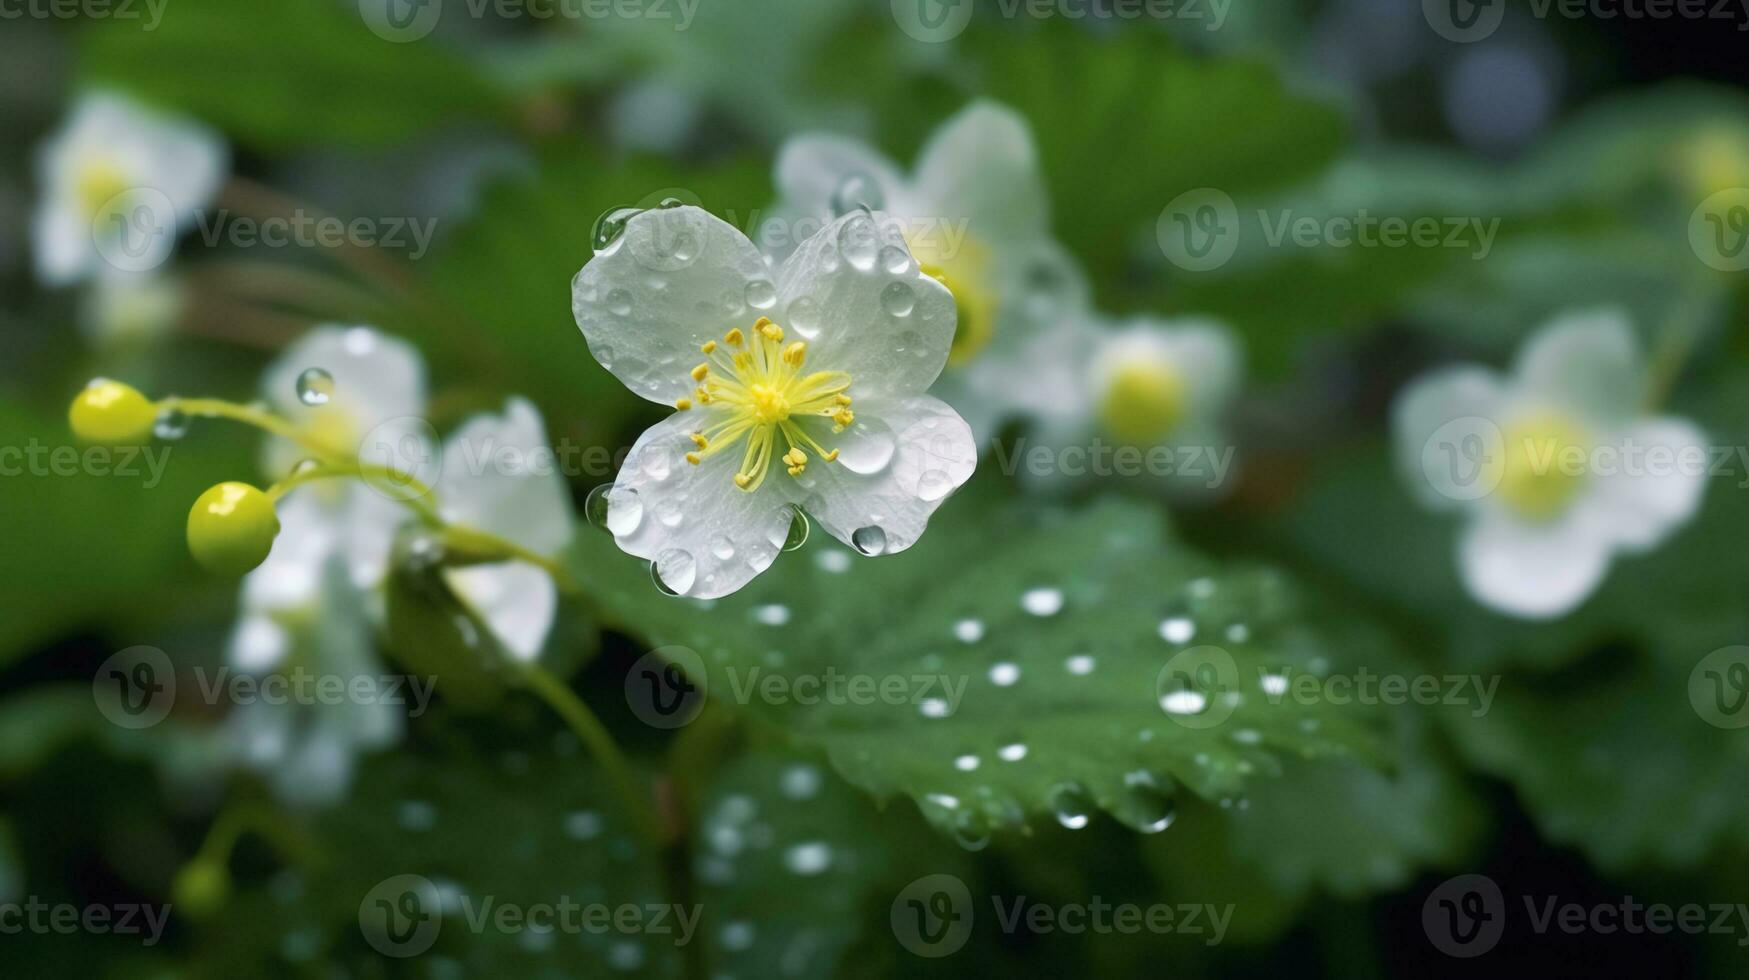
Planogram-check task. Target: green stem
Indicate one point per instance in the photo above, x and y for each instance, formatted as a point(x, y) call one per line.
point(601, 745)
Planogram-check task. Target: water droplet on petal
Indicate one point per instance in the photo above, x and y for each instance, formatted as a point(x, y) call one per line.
point(674, 571)
point(866, 447)
point(610, 229)
point(804, 317)
point(669, 512)
point(870, 540)
point(934, 485)
point(171, 424)
point(722, 548)
point(898, 299)
point(798, 531)
point(895, 260)
point(761, 295)
point(858, 242)
point(315, 386)
point(619, 302)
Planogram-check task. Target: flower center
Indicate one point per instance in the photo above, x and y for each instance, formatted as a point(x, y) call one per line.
point(754, 388)
point(1539, 476)
point(98, 182)
point(962, 267)
point(1143, 401)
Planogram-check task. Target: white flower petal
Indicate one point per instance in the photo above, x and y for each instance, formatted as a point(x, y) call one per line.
point(291, 578)
point(377, 401)
point(500, 476)
point(517, 601)
point(982, 165)
point(812, 168)
point(707, 537)
point(1585, 362)
point(891, 330)
point(1421, 409)
point(1643, 503)
point(1534, 571)
point(878, 496)
point(674, 279)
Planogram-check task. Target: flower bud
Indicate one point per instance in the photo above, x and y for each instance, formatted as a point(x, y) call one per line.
point(112, 414)
point(201, 888)
point(231, 528)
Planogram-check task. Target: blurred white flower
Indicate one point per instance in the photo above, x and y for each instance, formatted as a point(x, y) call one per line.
point(817, 368)
point(498, 477)
point(119, 181)
point(1146, 398)
point(1556, 465)
point(975, 214)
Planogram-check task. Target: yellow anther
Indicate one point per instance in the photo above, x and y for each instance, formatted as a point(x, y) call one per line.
point(698, 373)
point(831, 457)
point(734, 337)
point(692, 458)
point(700, 441)
point(682, 403)
point(772, 331)
point(843, 417)
point(842, 399)
point(795, 457)
point(742, 479)
point(794, 353)
point(703, 396)
point(709, 346)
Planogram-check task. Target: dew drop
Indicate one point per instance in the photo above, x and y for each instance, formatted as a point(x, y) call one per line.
point(669, 512)
point(722, 549)
point(1146, 806)
point(798, 531)
point(866, 447)
point(1012, 752)
point(1042, 601)
point(1183, 701)
point(771, 614)
point(869, 540)
point(801, 782)
point(856, 191)
point(619, 302)
point(1004, 674)
point(934, 485)
point(898, 299)
point(736, 936)
point(804, 317)
point(315, 386)
point(933, 708)
point(761, 295)
point(966, 762)
point(969, 630)
point(1178, 629)
point(1080, 664)
point(857, 242)
point(1072, 805)
point(971, 832)
point(895, 260)
point(674, 571)
point(808, 858)
point(582, 825)
point(610, 229)
point(833, 561)
point(171, 424)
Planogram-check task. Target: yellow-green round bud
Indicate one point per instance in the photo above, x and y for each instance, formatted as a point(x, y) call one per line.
point(231, 528)
point(110, 413)
point(201, 888)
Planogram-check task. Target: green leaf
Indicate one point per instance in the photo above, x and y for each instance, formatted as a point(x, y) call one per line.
point(1044, 710)
point(284, 75)
point(517, 830)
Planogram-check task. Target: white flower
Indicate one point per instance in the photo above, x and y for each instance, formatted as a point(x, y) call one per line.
point(498, 477)
point(119, 181)
point(315, 603)
point(1143, 398)
point(975, 214)
point(1556, 465)
point(131, 309)
point(817, 370)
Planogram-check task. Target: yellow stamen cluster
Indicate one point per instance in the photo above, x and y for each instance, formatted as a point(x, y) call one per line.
point(758, 390)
